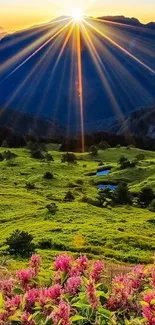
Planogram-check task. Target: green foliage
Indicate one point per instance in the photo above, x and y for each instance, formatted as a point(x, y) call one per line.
point(69, 197)
point(145, 196)
point(69, 157)
point(126, 163)
point(4, 144)
point(103, 145)
point(8, 155)
point(122, 195)
point(45, 243)
point(93, 150)
point(30, 186)
point(37, 154)
point(48, 175)
point(152, 206)
point(20, 243)
point(140, 157)
point(52, 208)
point(49, 157)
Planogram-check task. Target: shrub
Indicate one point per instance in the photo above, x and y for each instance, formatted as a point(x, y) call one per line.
point(79, 181)
point(52, 208)
point(8, 155)
point(69, 157)
point(20, 243)
point(69, 197)
point(43, 147)
point(140, 157)
point(122, 195)
point(4, 144)
point(45, 243)
point(103, 145)
point(146, 196)
point(1, 157)
point(152, 206)
point(125, 163)
point(30, 145)
point(37, 154)
point(48, 175)
point(93, 150)
point(49, 157)
point(30, 186)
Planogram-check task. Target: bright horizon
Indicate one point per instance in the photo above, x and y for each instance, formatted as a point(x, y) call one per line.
point(20, 14)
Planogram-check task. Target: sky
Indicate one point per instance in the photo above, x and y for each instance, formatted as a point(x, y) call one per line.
point(19, 14)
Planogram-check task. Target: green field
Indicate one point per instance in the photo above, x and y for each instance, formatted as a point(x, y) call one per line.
point(125, 233)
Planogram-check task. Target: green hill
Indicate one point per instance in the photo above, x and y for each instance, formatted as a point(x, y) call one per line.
point(123, 233)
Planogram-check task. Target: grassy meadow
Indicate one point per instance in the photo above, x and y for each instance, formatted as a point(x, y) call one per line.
point(124, 234)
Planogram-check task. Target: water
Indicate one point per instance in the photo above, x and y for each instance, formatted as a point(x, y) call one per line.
point(103, 172)
point(111, 187)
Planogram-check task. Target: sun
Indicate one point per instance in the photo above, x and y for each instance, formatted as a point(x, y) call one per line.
point(77, 14)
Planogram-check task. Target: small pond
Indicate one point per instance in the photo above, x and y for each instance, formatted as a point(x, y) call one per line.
point(110, 186)
point(103, 172)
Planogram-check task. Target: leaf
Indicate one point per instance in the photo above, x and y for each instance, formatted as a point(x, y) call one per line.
point(104, 312)
point(152, 302)
point(18, 291)
point(80, 304)
point(1, 300)
point(77, 318)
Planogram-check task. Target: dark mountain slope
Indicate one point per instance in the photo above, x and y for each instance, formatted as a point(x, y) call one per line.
point(39, 88)
point(140, 122)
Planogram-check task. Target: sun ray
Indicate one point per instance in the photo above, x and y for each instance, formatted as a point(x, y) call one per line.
point(36, 51)
point(80, 83)
point(101, 68)
point(119, 47)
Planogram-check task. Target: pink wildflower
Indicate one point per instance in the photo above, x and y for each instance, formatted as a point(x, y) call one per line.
point(55, 292)
point(63, 263)
point(25, 319)
point(96, 273)
point(149, 308)
point(11, 305)
point(62, 314)
point(25, 276)
point(91, 295)
point(35, 263)
point(6, 286)
point(82, 263)
point(73, 285)
point(137, 276)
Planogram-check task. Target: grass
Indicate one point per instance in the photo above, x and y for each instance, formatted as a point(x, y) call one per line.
point(125, 234)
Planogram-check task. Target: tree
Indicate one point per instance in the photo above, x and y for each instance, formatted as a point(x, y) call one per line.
point(69, 197)
point(8, 155)
point(103, 145)
point(43, 147)
point(48, 175)
point(37, 154)
point(103, 195)
point(124, 162)
point(121, 195)
point(93, 150)
point(20, 243)
point(69, 157)
point(4, 144)
point(152, 206)
point(52, 208)
point(145, 196)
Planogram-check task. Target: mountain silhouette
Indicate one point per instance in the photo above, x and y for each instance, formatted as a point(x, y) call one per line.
point(38, 87)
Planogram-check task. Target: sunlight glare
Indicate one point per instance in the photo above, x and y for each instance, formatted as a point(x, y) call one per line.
point(77, 14)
